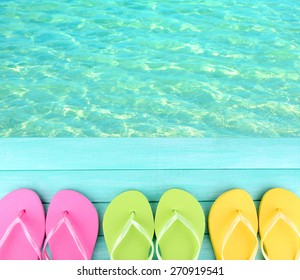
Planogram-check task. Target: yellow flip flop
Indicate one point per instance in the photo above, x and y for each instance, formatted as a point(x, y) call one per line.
point(279, 225)
point(233, 225)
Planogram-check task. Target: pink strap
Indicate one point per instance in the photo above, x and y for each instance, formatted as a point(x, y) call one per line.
point(16, 221)
point(66, 221)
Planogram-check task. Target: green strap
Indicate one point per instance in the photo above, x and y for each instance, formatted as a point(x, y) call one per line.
point(177, 217)
point(131, 222)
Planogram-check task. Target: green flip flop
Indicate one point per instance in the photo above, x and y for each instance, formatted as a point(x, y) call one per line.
point(128, 227)
point(179, 226)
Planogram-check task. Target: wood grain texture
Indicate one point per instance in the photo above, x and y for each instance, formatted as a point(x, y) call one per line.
point(145, 153)
point(103, 186)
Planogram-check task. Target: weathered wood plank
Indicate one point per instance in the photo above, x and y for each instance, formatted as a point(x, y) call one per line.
point(148, 153)
point(103, 186)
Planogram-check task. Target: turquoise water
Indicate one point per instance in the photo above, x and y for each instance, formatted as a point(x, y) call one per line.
point(91, 68)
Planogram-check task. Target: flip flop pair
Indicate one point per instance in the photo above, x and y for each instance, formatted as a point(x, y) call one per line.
point(129, 227)
point(71, 226)
point(234, 224)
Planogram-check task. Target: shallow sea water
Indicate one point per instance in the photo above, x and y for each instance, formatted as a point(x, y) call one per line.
point(90, 68)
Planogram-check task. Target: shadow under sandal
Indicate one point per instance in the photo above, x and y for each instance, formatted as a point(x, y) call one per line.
point(179, 226)
point(71, 227)
point(128, 227)
point(22, 226)
point(233, 226)
point(279, 225)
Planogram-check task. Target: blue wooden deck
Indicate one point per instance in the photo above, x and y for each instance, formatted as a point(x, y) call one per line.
point(102, 168)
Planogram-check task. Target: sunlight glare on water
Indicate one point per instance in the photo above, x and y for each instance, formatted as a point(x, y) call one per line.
point(90, 68)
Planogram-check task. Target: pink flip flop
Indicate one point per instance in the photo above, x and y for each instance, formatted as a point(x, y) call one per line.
point(22, 226)
point(71, 227)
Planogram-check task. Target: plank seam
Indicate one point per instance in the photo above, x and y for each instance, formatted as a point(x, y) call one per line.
point(146, 169)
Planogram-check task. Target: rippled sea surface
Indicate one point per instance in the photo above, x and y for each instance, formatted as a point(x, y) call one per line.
point(90, 68)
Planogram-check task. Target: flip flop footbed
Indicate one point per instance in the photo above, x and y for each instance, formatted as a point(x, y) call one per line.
point(84, 220)
point(282, 241)
point(178, 241)
point(134, 245)
point(17, 246)
point(241, 242)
